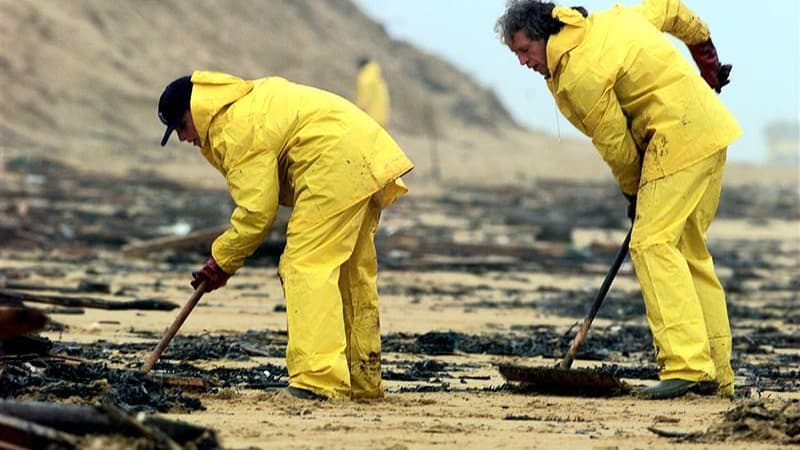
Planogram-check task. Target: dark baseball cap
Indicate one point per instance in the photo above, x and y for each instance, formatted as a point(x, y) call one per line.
point(172, 105)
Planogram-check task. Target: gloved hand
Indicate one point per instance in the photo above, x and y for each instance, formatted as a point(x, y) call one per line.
point(212, 273)
point(705, 56)
point(631, 206)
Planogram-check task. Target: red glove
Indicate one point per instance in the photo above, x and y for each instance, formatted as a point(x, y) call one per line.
point(212, 273)
point(705, 56)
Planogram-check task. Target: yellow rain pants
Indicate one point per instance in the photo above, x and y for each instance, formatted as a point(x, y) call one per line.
point(329, 274)
point(685, 302)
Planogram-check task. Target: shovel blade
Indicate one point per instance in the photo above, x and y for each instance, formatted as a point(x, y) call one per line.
point(559, 381)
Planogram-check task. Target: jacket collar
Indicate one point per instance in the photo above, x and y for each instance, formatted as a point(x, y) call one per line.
point(570, 36)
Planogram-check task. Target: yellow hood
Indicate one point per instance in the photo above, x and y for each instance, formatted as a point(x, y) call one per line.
point(570, 36)
point(211, 92)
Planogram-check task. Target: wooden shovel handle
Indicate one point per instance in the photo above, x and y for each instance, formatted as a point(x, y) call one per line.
point(566, 363)
point(176, 325)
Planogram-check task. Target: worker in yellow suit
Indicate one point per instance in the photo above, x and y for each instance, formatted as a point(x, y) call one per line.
point(278, 142)
point(372, 94)
point(664, 133)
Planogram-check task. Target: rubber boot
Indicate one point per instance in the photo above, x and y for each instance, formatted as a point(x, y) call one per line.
point(304, 394)
point(676, 387)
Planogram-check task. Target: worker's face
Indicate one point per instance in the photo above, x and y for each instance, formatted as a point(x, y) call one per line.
point(532, 54)
point(186, 130)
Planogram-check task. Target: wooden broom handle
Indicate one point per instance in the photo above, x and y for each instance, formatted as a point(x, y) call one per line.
point(566, 363)
point(176, 325)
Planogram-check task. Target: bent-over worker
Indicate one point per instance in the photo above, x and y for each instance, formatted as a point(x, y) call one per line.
point(664, 132)
point(278, 142)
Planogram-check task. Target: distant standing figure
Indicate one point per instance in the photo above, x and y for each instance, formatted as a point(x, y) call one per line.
point(278, 142)
point(664, 133)
point(372, 95)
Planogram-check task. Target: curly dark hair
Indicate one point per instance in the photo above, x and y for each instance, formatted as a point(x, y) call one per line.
point(533, 16)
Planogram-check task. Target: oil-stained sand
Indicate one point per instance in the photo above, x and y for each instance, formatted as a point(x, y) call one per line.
point(471, 278)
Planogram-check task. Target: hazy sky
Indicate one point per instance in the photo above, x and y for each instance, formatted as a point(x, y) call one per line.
point(760, 39)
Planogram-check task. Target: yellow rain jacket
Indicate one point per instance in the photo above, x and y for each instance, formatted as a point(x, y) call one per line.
point(278, 142)
point(664, 132)
point(372, 95)
point(616, 78)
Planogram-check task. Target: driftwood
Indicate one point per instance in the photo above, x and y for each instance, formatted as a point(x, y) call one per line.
point(182, 432)
point(27, 357)
point(83, 287)
point(271, 248)
point(16, 321)
point(423, 254)
point(152, 433)
point(56, 420)
point(533, 252)
point(77, 419)
point(8, 296)
point(184, 242)
point(64, 310)
point(25, 345)
point(186, 383)
point(674, 434)
point(23, 434)
point(253, 350)
point(15, 359)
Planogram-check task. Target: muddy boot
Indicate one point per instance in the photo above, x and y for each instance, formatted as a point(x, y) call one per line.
point(706, 388)
point(665, 389)
point(721, 354)
point(725, 390)
point(304, 394)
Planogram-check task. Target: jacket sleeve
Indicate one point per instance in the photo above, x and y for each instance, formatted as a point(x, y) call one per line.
point(254, 187)
point(592, 106)
point(673, 17)
point(607, 125)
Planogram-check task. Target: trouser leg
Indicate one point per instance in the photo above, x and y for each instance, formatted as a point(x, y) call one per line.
point(709, 290)
point(674, 310)
point(358, 283)
point(310, 271)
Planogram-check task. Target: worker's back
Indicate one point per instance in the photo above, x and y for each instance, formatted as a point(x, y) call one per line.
point(324, 148)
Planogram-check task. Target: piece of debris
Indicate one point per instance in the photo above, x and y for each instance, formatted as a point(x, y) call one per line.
point(16, 321)
point(771, 420)
point(8, 295)
point(44, 424)
point(188, 383)
point(83, 286)
point(187, 241)
point(47, 379)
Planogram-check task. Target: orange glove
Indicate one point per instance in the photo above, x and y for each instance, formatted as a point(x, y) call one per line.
point(212, 273)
